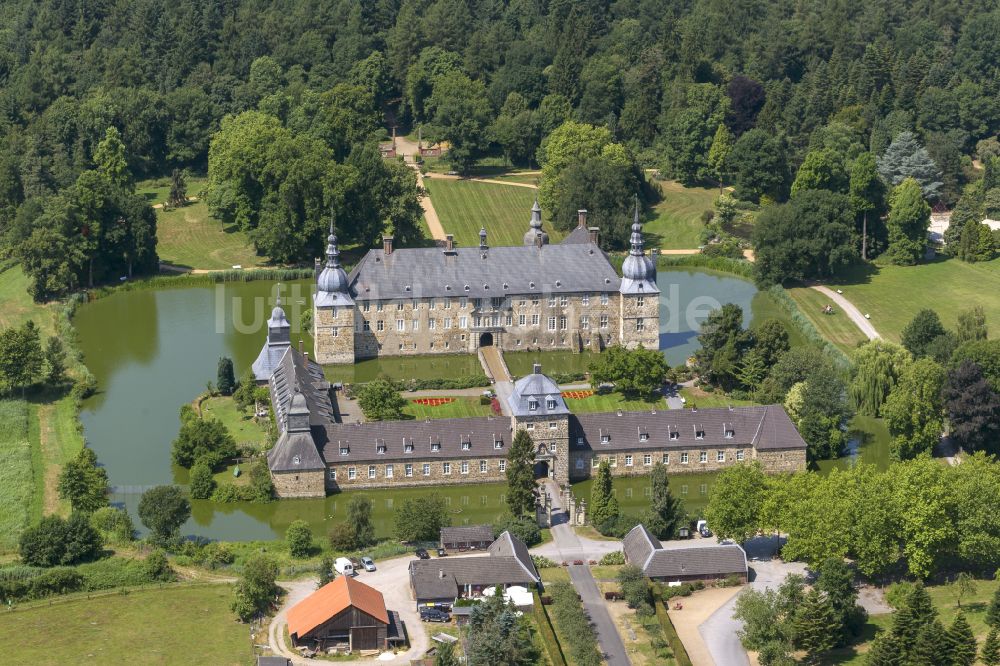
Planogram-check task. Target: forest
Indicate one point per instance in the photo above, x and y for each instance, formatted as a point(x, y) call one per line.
point(775, 97)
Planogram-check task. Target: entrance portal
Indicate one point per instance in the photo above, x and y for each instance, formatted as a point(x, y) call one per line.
point(486, 340)
point(542, 469)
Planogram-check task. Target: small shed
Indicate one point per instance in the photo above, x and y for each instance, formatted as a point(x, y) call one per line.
point(344, 613)
point(466, 537)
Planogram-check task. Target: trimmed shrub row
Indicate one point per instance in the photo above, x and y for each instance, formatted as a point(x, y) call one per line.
point(548, 634)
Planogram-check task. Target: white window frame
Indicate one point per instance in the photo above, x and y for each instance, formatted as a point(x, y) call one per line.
point(371, 472)
point(408, 470)
point(720, 456)
point(503, 466)
point(604, 321)
point(446, 468)
point(739, 455)
point(703, 456)
point(426, 469)
point(464, 467)
point(352, 473)
point(647, 459)
point(483, 467)
point(389, 471)
point(628, 460)
point(604, 298)
point(684, 458)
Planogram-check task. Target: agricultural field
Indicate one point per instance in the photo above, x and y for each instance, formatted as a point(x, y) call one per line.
point(837, 327)
point(893, 294)
point(465, 206)
point(678, 216)
point(445, 408)
point(172, 625)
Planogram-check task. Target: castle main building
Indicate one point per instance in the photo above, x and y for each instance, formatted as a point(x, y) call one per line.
point(565, 296)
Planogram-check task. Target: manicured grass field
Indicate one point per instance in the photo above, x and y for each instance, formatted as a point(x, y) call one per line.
point(240, 424)
point(764, 307)
point(837, 327)
point(678, 216)
point(16, 306)
point(697, 398)
point(465, 206)
point(18, 499)
point(893, 294)
point(610, 402)
point(191, 238)
point(460, 408)
point(173, 625)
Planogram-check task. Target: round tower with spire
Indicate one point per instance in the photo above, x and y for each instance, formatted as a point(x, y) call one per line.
point(534, 235)
point(333, 309)
point(640, 298)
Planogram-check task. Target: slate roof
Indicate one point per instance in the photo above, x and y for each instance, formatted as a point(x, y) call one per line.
point(764, 428)
point(507, 545)
point(296, 370)
point(295, 451)
point(540, 389)
point(638, 545)
point(466, 534)
point(433, 273)
point(579, 236)
point(331, 600)
point(508, 563)
point(718, 560)
point(277, 343)
point(364, 439)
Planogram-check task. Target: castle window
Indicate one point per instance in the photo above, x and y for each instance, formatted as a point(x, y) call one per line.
point(334, 332)
point(477, 303)
point(416, 325)
point(563, 300)
point(466, 446)
point(521, 319)
point(580, 463)
point(432, 323)
point(739, 454)
point(675, 435)
point(720, 456)
point(534, 320)
point(463, 322)
point(552, 323)
point(378, 306)
point(333, 473)
point(366, 326)
point(604, 321)
point(351, 473)
point(435, 446)
point(532, 405)
point(684, 458)
point(380, 325)
point(585, 299)
point(647, 459)
point(482, 467)
point(562, 323)
point(640, 325)
point(399, 305)
point(613, 461)
point(552, 425)
point(534, 300)
point(408, 469)
point(510, 320)
point(426, 469)
point(604, 298)
point(552, 301)
point(344, 450)
point(463, 302)
point(366, 307)
point(529, 426)
point(666, 458)
point(585, 322)
point(408, 447)
point(550, 403)
point(446, 468)
point(628, 461)
point(502, 466)
point(730, 433)
point(430, 304)
point(497, 303)
point(640, 301)
point(594, 462)
point(605, 439)
point(371, 471)
point(388, 471)
point(465, 467)
point(447, 304)
point(703, 456)
point(399, 324)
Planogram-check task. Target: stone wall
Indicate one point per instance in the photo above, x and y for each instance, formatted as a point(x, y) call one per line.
point(551, 443)
point(787, 460)
point(644, 309)
point(333, 335)
point(298, 484)
point(583, 464)
point(339, 476)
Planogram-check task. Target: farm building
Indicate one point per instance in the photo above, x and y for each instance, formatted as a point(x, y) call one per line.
point(345, 614)
point(466, 537)
point(705, 563)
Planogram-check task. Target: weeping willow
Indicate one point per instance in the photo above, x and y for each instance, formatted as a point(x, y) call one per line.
point(877, 367)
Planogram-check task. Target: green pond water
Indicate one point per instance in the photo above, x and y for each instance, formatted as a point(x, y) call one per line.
point(154, 350)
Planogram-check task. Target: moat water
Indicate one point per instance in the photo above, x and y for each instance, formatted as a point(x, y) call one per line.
point(153, 350)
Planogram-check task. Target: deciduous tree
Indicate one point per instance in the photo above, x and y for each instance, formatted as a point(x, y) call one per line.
point(380, 401)
point(256, 589)
point(421, 518)
point(734, 507)
point(163, 509)
point(909, 219)
point(83, 482)
point(913, 410)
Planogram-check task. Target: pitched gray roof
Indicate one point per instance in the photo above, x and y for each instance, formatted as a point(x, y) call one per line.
point(425, 575)
point(579, 236)
point(295, 451)
point(536, 390)
point(466, 534)
point(432, 582)
point(430, 272)
point(638, 545)
point(364, 439)
point(278, 330)
point(761, 427)
point(718, 560)
point(508, 545)
point(296, 370)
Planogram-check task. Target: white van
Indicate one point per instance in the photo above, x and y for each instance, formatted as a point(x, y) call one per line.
point(344, 567)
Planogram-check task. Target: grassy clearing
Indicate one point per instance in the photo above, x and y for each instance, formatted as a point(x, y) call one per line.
point(763, 307)
point(460, 408)
point(696, 397)
point(893, 294)
point(173, 625)
point(17, 306)
point(610, 402)
point(464, 206)
point(837, 328)
point(243, 428)
point(678, 216)
point(18, 500)
point(189, 237)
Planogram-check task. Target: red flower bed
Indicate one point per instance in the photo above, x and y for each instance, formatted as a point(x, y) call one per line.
point(577, 395)
point(433, 402)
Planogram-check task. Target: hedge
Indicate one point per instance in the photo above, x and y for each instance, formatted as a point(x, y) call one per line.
point(549, 640)
point(739, 267)
point(680, 654)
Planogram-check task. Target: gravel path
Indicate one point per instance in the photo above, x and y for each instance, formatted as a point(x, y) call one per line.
point(852, 312)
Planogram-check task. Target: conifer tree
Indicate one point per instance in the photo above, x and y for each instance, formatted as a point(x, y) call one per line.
point(718, 154)
point(930, 647)
point(909, 219)
point(990, 652)
point(521, 474)
point(603, 503)
point(666, 510)
point(960, 642)
point(815, 626)
point(884, 651)
point(916, 612)
point(993, 612)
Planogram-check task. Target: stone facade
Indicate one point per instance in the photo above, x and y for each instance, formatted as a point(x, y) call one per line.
point(550, 435)
point(298, 484)
point(640, 320)
point(410, 473)
point(638, 461)
point(790, 460)
point(333, 333)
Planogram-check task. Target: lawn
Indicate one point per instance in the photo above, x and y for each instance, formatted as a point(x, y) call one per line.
point(611, 402)
point(465, 206)
point(837, 328)
point(764, 307)
point(696, 397)
point(191, 238)
point(678, 216)
point(242, 427)
point(173, 625)
point(17, 306)
point(459, 407)
point(893, 294)
point(18, 498)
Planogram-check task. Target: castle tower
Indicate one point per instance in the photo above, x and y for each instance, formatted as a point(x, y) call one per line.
point(278, 341)
point(534, 235)
point(333, 310)
point(537, 406)
point(639, 314)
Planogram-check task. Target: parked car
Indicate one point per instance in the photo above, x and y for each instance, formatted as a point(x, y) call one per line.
point(344, 567)
point(368, 563)
point(434, 615)
point(705, 532)
point(357, 564)
point(423, 554)
point(442, 552)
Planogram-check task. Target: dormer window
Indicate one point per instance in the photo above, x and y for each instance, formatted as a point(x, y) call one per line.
point(344, 450)
point(497, 443)
point(408, 447)
point(699, 434)
point(579, 441)
point(296, 460)
point(380, 449)
point(605, 439)
point(435, 446)
point(730, 433)
point(550, 403)
point(466, 446)
point(532, 405)
point(675, 435)
point(643, 436)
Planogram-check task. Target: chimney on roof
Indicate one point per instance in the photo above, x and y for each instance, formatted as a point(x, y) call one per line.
point(593, 234)
point(449, 243)
point(536, 368)
point(306, 354)
point(300, 345)
point(581, 218)
point(387, 245)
